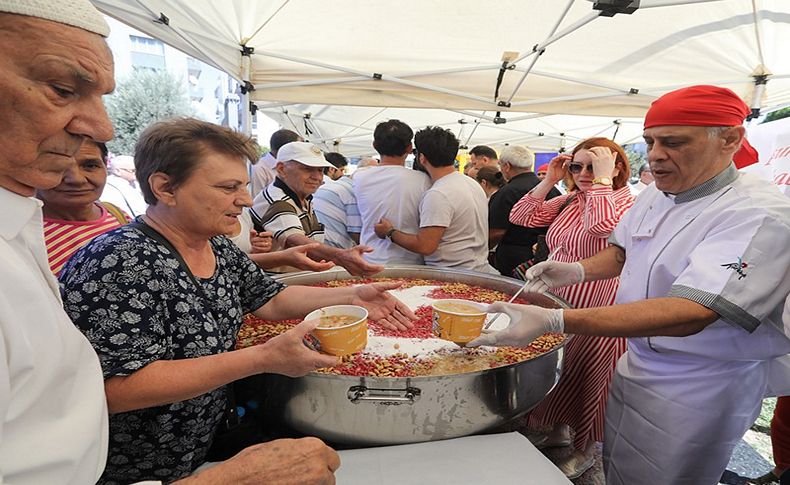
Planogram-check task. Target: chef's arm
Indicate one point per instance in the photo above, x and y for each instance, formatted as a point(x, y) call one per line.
point(670, 317)
point(606, 264)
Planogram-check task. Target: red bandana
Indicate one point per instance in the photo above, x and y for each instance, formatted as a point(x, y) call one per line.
point(697, 106)
point(745, 156)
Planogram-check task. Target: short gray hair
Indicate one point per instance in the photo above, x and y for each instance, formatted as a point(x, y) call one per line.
point(716, 131)
point(517, 156)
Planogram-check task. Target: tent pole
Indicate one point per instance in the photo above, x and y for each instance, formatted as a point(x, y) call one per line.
point(535, 58)
point(580, 97)
point(246, 116)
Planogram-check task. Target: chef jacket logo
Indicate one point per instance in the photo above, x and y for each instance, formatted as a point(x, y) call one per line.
point(739, 267)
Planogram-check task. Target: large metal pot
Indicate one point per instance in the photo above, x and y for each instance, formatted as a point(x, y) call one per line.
point(385, 410)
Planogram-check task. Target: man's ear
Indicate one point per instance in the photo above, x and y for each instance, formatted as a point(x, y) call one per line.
point(733, 138)
point(160, 186)
point(280, 169)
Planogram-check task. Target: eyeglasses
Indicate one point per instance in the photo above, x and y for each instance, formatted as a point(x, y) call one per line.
point(576, 168)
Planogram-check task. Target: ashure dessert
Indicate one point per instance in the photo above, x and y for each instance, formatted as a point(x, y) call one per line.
point(417, 351)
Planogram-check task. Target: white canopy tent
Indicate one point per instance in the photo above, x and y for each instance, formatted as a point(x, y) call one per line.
point(332, 69)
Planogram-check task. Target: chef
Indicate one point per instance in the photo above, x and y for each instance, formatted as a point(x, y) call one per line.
point(704, 274)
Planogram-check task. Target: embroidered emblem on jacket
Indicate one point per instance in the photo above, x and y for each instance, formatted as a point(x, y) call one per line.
point(739, 267)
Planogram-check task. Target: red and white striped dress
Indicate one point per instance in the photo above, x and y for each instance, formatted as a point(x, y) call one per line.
point(580, 230)
point(64, 238)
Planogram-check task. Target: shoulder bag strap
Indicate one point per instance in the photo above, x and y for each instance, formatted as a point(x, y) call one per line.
point(158, 237)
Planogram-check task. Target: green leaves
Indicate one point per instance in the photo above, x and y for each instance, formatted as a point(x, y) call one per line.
point(146, 96)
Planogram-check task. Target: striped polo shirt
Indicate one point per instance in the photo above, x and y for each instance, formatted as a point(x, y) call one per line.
point(277, 209)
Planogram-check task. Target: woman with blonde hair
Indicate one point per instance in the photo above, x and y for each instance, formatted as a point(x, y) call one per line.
point(579, 224)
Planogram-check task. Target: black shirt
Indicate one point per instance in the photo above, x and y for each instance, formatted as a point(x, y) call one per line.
point(515, 247)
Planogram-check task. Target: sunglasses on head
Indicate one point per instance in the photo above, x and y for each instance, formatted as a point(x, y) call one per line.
point(576, 168)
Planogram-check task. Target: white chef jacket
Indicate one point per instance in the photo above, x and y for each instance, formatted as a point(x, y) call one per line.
point(53, 413)
point(678, 405)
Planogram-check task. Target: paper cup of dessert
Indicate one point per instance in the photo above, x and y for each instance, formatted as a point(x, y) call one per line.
point(342, 329)
point(458, 321)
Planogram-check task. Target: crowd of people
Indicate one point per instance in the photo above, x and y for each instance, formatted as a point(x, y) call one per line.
point(116, 372)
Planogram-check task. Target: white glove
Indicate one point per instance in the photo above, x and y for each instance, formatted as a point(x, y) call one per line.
point(552, 274)
point(527, 322)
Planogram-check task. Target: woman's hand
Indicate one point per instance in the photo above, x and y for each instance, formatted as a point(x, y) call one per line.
point(382, 227)
point(297, 257)
point(261, 241)
point(381, 306)
point(287, 354)
point(603, 162)
point(558, 168)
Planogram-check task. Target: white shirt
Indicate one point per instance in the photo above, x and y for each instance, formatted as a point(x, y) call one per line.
point(262, 174)
point(118, 191)
point(393, 192)
point(458, 203)
point(242, 239)
point(53, 412)
point(718, 245)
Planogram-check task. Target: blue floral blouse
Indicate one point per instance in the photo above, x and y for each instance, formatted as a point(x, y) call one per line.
point(134, 302)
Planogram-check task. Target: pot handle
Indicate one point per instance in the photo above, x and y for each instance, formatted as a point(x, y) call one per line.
point(388, 397)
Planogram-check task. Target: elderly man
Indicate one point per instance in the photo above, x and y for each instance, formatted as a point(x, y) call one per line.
point(513, 242)
point(703, 279)
point(285, 208)
point(122, 188)
point(54, 70)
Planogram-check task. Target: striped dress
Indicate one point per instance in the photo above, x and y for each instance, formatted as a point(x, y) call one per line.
point(580, 230)
point(64, 238)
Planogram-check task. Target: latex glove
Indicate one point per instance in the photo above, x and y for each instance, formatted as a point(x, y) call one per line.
point(553, 274)
point(527, 322)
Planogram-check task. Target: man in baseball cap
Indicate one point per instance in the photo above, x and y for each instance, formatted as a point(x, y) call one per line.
point(704, 276)
point(54, 69)
point(285, 208)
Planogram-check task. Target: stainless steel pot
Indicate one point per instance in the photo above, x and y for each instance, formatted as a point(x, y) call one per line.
point(395, 410)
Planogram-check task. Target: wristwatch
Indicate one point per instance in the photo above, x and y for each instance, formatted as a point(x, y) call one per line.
point(602, 181)
point(390, 233)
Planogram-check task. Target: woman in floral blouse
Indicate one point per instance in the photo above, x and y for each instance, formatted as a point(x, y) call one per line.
point(165, 334)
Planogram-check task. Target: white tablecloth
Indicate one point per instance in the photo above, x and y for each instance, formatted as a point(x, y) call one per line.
point(500, 459)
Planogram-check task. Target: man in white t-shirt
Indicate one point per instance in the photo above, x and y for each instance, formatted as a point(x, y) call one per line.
point(264, 172)
point(54, 70)
point(453, 212)
point(391, 191)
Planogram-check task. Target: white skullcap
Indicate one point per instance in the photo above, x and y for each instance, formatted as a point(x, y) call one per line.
point(77, 13)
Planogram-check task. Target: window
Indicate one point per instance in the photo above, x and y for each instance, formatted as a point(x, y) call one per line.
point(147, 45)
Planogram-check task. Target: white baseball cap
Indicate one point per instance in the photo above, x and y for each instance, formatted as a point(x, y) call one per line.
point(77, 13)
point(303, 152)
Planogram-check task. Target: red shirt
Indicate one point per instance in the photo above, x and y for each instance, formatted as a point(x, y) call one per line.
point(64, 238)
